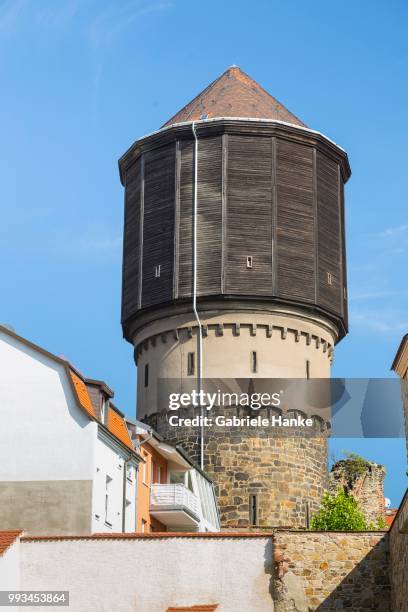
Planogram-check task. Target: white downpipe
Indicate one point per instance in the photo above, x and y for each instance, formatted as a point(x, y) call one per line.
point(200, 335)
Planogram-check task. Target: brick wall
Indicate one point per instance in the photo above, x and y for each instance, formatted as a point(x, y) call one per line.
point(331, 571)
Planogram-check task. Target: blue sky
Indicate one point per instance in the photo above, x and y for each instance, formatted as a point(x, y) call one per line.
point(82, 79)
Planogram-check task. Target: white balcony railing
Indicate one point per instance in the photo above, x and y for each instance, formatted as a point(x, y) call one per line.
point(173, 497)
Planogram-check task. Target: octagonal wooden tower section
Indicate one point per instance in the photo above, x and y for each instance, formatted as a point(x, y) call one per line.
point(270, 222)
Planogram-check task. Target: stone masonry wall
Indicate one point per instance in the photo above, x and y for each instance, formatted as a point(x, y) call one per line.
point(367, 487)
point(399, 558)
point(288, 475)
point(330, 571)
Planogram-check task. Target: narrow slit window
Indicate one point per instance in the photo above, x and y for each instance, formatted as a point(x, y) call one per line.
point(253, 510)
point(157, 271)
point(146, 375)
point(249, 261)
point(307, 369)
point(190, 364)
point(307, 515)
point(254, 362)
point(329, 279)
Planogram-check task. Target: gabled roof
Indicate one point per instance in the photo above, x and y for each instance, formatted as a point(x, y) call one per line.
point(7, 538)
point(115, 425)
point(234, 94)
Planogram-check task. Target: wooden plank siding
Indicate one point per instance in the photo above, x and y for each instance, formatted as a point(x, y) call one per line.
point(209, 213)
point(329, 234)
point(295, 222)
point(249, 214)
point(131, 241)
point(209, 218)
point(185, 229)
point(268, 197)
point(343, 248)
point(158, 225)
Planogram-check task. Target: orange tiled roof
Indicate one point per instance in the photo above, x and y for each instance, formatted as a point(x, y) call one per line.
point(389, 518)
point(234, 94)
point(115, 422)
point(117, 427)
point(6, 539)
point(83, 395)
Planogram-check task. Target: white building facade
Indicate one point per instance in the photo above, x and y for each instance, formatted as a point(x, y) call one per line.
point(65, 467)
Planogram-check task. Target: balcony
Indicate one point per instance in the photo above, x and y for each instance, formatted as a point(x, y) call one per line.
point(175, 506)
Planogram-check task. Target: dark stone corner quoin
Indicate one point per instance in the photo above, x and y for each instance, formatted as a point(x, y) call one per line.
point(266, 188)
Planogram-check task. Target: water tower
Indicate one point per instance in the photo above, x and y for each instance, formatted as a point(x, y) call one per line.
point(235, 266)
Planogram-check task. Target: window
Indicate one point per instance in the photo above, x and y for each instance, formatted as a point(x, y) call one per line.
point(177, 477)
point(129, 474)
point(253, 510)
point(144, 526)
point(254, 362)
point(157, 271)
point(144, 471)
point(146, 375)
point(307, 369)
point(249, 261)
point(307, 515)
point(108, 482)
point(329, 279)
point(190, 364)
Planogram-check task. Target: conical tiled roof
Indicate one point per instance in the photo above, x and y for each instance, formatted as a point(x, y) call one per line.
point(234, 94)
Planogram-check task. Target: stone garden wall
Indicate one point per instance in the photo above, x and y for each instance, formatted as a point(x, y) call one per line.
point(331, 571)
point(399, 558)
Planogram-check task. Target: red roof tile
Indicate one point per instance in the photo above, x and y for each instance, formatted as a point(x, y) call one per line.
point(234, 94)
point(117, 427)
point(82, 394)
point(6, 539)
point(390, 516)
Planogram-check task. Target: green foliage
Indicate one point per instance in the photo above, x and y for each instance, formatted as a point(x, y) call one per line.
point(339, 512)
point(381, 523)
point(354, 464)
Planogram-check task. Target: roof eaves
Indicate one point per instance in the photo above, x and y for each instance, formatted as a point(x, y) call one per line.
point(198, 122)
